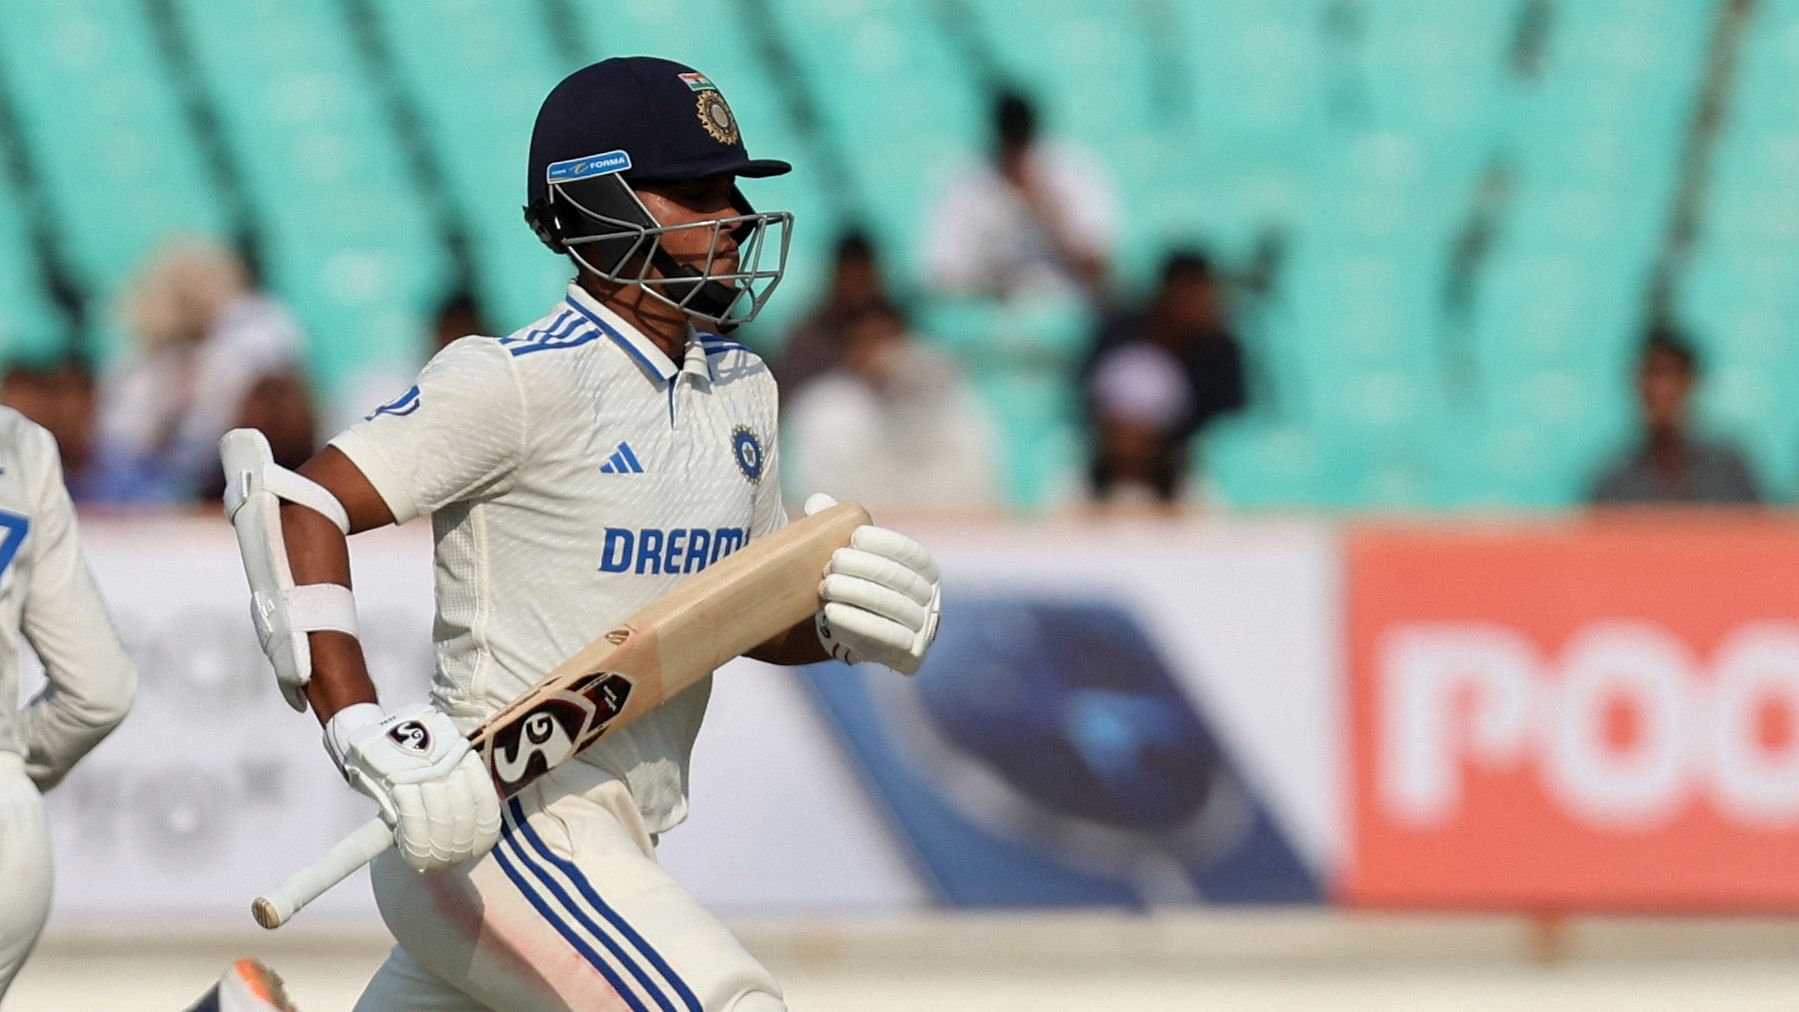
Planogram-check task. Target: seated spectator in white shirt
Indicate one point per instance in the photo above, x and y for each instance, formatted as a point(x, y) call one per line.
point(814, 345)
point(1033, 219)
point(205, 337)
point(894, 426)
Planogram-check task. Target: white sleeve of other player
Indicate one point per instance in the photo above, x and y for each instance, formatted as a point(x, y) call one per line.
point(89, 679)
point(458, 433)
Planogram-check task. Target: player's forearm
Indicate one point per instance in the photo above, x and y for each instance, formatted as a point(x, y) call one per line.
point(340, 675)
point(797, 644)
point(318, 552)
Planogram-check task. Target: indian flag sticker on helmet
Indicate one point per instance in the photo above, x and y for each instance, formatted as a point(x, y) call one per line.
point(698, 82)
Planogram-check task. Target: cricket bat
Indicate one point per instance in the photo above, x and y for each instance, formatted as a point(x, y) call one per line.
point(674, 641)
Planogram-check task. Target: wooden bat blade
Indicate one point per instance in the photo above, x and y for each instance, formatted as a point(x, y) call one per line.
point(667, 646)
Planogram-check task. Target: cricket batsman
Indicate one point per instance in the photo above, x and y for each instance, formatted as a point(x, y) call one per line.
point(48, 596)
point(574, 471)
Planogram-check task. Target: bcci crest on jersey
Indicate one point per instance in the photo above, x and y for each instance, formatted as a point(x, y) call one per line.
point(748, 451)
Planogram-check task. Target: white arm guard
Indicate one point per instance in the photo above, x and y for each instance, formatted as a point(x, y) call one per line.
point(282, 612)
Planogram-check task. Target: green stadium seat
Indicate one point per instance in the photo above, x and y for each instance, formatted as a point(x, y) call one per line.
point(897, 104)
point(478, 71)
point(1742, 290)
point(128, 147)
point(349, 240)
point(31, 327)
point(1039, 417)
point(1254, 463)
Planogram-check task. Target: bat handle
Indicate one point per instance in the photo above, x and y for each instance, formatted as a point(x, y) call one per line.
point(278, 906)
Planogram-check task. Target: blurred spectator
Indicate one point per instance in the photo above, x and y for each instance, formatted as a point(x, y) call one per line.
point(894, 426)
point(205, 339)
point(814, 347)
point(1139, 397)
point(59, 395)
point(457, 316)
point(1035, 219)
point(1670, 465)
point(1181, 339)
point(24, 388)
point(280, 405)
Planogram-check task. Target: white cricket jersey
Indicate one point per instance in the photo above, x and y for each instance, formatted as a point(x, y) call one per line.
point(574, 473)
point(48, 595)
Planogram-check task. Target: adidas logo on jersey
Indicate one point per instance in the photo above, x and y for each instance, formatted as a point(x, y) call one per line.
point(622, 461)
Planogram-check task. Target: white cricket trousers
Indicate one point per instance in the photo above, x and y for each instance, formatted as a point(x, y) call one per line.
point(24, 867)
point(569, 911)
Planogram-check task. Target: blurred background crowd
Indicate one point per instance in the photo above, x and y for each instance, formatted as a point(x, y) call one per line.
point(1302, 253)
point(1430, 260)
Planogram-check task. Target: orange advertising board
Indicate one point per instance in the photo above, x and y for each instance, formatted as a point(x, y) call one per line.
point(1603, 715)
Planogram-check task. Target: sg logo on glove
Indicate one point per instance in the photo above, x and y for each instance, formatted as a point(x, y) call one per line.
point(411, 736)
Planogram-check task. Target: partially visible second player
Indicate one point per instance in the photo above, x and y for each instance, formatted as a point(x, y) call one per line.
point(48, 597)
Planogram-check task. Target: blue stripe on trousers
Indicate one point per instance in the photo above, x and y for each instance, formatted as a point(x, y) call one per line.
point(571, 936)
point(587, 890)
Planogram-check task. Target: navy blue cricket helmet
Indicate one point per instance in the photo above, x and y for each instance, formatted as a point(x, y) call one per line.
point(638, 120)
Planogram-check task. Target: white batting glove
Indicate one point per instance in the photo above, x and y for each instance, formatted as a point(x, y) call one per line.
point(430, 784)
point(882, 595)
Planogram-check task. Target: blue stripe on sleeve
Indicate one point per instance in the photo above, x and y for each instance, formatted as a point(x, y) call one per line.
point(565, 325)
point(541, 332)
point(576, 342)
point(564, 332)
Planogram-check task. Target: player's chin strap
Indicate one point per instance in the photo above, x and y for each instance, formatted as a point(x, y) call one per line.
point(283, 613)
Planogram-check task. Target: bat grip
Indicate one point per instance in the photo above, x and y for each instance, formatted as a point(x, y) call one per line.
point(277, 906)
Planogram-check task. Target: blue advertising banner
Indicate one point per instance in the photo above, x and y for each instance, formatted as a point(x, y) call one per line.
point(1048, 755)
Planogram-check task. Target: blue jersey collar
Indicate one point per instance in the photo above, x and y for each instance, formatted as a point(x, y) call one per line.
point(629, 339)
